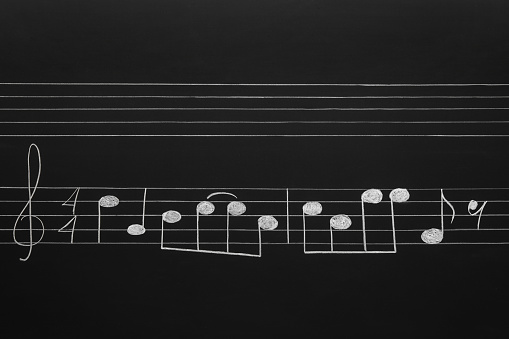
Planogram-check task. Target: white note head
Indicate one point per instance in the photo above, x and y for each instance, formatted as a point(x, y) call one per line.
point(236, 208)
point(399, 195)
point(205, 207)
point(340, 222)
point(136, 229)
point(267, 222)
point(171, 217)
point(109, 201)
point(312, 208)
point(372, 196)
point(432, 236)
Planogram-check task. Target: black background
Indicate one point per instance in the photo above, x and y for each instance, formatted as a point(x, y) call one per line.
point(95, 291)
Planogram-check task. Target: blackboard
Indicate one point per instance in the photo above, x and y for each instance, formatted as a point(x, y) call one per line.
point(278, 103)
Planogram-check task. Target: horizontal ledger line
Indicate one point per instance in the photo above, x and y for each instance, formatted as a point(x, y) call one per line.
point(247, 84)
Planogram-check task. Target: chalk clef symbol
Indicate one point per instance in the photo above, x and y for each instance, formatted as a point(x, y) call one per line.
point(28, 205)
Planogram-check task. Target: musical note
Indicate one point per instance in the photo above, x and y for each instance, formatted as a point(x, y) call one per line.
point(234, 208)
point(31, 193)
point(265, 223)
point(434, 235)
point(472, 206)
point(74, 218)
point(309, 208)
point(169, 217)
point(371, 196)
point(338, 222)
point(137, 229)
point(398, 195)
point(107, 201)
point(205, 208)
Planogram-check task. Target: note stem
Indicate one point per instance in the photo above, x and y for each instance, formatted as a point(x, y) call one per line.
point(331, 240)
point(442, 209)
point(363, 226)
point(259, 241)
point(162, 232)
point(144, 202)
point(99, 222)
point(393, 226)
point(287, 219)
point(227, 231)
point(197, 229)
point(304, 228)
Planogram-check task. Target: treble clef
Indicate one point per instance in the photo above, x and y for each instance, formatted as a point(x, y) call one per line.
point(21, 216)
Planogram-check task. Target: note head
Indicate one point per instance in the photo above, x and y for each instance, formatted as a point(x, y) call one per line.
point(236, 208)
point(312, 208)
point(267, 222)
point(171, 216)
point(136, 229)
point(432, 236)
point(372, 196)
point(205, 207)
point(340, 222)
point(109, 201)
point(399, 195)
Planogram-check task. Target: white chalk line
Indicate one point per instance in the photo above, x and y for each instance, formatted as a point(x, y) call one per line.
point(256, 122)
point(251, 109)
point(249, 84)
point(258, 189)
point(246, 201)
point(254, 243)
point(250, 215)
point(251, 97)
point(483, 230)
point(254, 135)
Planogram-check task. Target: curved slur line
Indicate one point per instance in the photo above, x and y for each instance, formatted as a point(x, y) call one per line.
point(218, 193)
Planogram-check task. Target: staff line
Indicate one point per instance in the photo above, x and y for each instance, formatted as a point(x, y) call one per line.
point(246, 201)
point(256, 188)
point(249, 84)
point(276, 230)
point(251, 109)
point(251, 215)
point(256, 243)
point(260, 122)
point(254, 135)
point(252, 97)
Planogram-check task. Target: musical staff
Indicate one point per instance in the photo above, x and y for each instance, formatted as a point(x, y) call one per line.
point(322, 220)
point(177, 110)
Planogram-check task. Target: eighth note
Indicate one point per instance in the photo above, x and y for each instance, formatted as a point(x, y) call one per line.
point(434, 235)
